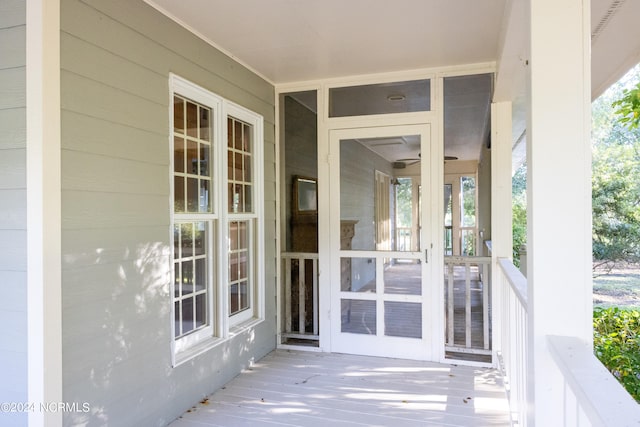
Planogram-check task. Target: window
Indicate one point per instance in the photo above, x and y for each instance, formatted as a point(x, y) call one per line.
point(216, 258)
point(242, 213)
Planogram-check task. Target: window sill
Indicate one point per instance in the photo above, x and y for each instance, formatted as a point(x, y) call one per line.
point(202, 347)
point(244, 326)
point(190, 352)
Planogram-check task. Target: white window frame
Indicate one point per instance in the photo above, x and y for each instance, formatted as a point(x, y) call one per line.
point(211, 332)
point(255, 219)
point(221, 326)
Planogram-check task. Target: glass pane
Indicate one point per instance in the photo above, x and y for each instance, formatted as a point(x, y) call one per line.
point(382, 98)
point(403, 276)
point(199, 239)
point(448, 205)
point(230, 166)
point(176, 241)
point(234, 259)
point(248, 204)
point(244, 295)
point(178, 114)
point(178, 154)
point(237, 167)
point(205, 200)
point(237, 130)
point(358, 317)
point(377, 193)
point(468, 186)
point(205, 124)
point(186, 236)
point(405, 230)
point(205, 149)
point(403, 319)
point(192, 119)
point(230, 132)
point(234, 296)
point(200, 274)
point(358, 275)
point(193, 201)
point(187, 277)
point(201, 310)
point(177, 280)
point(192, 157)
point(177, 316)
point(187, 315)
point(247, 168)
point(178, 194)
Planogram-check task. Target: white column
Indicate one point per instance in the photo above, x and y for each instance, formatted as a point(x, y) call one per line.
point(501, 218)
point(44, 363)
point(559, 191)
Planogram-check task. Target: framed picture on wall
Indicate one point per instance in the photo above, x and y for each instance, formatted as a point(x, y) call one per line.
point(305, 195)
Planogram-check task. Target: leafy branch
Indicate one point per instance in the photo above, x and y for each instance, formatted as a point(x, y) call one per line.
point(628, 107)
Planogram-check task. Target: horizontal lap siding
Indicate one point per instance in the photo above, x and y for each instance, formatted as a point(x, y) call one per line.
point(116, 57)
point(13, 208)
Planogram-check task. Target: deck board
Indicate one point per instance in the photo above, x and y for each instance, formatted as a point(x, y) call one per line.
point(296, 388)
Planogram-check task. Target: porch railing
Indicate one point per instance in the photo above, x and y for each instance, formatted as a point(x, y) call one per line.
point(591, 395)
point(511, 286)
point(467, 287)
point(300, 295)
point(403, 239)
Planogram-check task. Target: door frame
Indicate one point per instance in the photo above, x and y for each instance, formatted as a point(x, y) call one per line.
point(431, 346)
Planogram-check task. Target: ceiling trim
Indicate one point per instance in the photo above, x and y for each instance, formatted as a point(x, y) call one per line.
point(207, 40)
point(389, 77)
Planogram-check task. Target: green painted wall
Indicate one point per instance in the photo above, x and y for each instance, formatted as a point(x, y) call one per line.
point(13, 208)
point(116, 57)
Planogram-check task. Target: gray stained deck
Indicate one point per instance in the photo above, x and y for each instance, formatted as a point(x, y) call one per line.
point(294, 388)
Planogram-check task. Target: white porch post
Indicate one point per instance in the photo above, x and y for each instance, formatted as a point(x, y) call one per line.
point(501, 218)
point(44, 364)
point(559, 192)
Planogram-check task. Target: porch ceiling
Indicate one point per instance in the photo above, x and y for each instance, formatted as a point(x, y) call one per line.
point(288, 41)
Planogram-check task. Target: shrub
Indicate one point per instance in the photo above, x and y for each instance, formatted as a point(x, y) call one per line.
point(616, 340)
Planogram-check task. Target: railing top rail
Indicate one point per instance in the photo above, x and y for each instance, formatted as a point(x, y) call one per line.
point(467, 259)
point(306, 255)
point(516, 279)
point(600, 395)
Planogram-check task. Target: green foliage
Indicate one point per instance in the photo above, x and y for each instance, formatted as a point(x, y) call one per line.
point(616, 173)
point(616, 340)
point(616, 207)
point(628, 107)
point(519, 211)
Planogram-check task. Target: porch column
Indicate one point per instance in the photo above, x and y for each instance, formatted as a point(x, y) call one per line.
point(559, 192)
point(501, 218)
point(44, 364)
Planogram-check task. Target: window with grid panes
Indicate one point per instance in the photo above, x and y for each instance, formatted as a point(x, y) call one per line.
point(241, 218)
point(217, 254)
point(194, 216)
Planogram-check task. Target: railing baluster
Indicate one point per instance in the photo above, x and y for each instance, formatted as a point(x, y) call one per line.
point(287, 295)
point(450, 303)
point(486, 280)
point(467, 305)
point(302, 294)
point(315, 297)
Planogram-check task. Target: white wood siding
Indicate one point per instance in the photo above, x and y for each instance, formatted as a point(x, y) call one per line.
point(13, 208)
point(116, 58)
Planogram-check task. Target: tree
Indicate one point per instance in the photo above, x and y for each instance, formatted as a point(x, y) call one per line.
point(616, 173)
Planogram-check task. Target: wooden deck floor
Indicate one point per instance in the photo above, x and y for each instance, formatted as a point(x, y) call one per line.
point(289, 388)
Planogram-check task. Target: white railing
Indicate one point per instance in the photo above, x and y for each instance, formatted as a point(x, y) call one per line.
point(300, 273)
point(403, 239)
point(511, 287)
point(592, 396)
point(476, 271)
